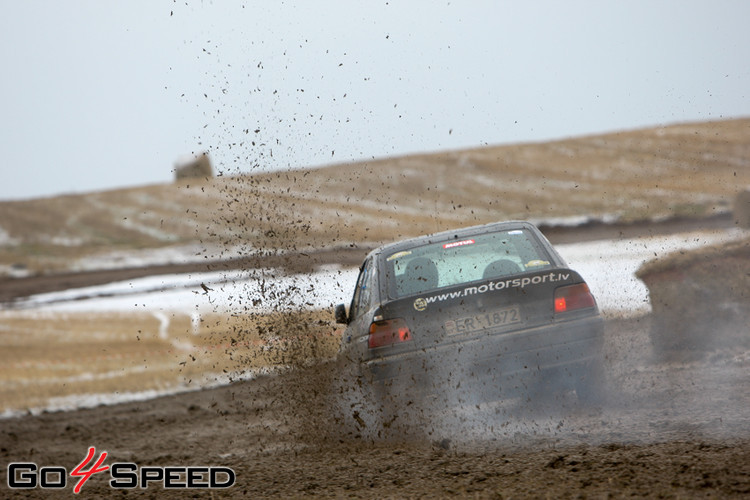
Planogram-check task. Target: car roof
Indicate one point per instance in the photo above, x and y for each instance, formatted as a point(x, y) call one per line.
point(455, 234)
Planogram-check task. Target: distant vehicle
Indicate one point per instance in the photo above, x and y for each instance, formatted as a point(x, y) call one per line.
point(479, 314)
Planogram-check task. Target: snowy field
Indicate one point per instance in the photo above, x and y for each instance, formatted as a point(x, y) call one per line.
point(608, 266)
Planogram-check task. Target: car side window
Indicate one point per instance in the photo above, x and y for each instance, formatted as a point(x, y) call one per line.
point(363, 292)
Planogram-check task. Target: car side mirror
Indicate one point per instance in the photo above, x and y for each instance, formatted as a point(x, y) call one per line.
point(340, 314)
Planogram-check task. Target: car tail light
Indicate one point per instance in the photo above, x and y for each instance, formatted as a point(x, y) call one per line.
point(390, 331)
point(573, 297)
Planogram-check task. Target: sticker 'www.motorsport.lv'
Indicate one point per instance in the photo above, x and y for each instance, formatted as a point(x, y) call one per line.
point(421, 303)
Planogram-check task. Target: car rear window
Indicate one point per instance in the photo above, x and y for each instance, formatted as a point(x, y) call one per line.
point(464, 260)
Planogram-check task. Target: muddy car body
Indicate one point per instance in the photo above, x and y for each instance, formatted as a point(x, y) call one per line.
point(478, 313)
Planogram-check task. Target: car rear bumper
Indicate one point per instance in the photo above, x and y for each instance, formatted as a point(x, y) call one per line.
point(559, 353)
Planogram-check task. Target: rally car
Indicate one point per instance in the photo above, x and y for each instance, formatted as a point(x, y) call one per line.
point(475, 314)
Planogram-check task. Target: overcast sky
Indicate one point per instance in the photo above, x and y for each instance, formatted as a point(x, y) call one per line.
point(102, 94)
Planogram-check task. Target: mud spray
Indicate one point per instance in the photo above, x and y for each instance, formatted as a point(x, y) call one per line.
point(645, 400)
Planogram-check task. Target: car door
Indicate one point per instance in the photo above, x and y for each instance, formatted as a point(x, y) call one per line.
point(363, 300)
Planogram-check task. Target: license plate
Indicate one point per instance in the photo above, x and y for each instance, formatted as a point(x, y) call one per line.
point(490, 319)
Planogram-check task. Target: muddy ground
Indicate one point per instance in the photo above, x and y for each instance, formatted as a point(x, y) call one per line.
point(677, 430)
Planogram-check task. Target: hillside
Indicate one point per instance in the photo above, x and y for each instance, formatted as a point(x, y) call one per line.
point(680, 170)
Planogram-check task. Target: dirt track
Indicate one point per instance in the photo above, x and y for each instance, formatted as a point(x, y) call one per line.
point(677, 430)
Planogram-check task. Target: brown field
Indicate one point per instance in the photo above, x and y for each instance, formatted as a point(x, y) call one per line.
point(47, 356)
point(689, 169)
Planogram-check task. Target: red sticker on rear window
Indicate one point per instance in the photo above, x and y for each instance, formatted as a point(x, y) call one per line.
point(458, 244)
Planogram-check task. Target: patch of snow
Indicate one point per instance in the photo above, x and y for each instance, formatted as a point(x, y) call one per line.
point(82, 401)
point(6, 240)
point(259, 290)
point(175, 254)
point(574, 220)
point(67, 241)
point(609, 267)
point(571, 221)
point(14, 271)
point(149, 230)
